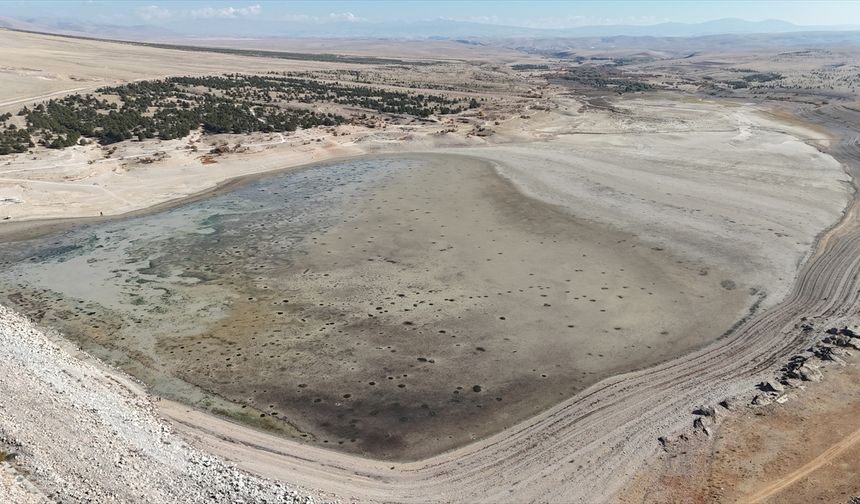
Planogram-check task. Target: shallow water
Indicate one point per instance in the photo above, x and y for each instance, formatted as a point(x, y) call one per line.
point(127, 288)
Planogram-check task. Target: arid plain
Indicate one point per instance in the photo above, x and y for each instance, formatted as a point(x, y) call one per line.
point(482, 312)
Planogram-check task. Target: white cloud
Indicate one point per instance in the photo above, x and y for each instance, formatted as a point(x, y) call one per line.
point(151, 12)
point(226, 12)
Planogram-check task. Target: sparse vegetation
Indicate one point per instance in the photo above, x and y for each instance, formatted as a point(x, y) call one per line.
point(762, 77)
point(232, 103)
point(602, 77)
point(14, 140)
point(527, 67)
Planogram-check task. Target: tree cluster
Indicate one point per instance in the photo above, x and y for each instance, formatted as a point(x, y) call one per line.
point(14, 140)
point(269, 88)
point(600, 77)
point(234, 103)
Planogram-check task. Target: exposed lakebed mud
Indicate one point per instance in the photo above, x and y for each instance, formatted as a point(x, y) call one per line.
point(394, 307)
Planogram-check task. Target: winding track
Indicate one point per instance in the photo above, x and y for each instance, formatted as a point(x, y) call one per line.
point(826, 457)
point(586, 448)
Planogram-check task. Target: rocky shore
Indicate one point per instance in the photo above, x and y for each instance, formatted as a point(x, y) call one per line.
point(74, 431)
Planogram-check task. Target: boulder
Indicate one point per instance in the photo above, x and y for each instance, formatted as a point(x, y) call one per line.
point(828, 353)
point(771, 386)
point(844, 341)
point(761, 400)
point(791, 370)
point(699, 425)
point(848, 332)
point(824, 352)
point(808, 373)
point(667, 444)
point(707, 411)
point(798, 359)
point(841, 340)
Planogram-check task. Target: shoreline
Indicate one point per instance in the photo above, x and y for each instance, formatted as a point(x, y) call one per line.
point(22, 230)
point(330, 458)
point(241, 442)
point(27, 229)
point(788, 462)
point(508, 195)
point(244, 435)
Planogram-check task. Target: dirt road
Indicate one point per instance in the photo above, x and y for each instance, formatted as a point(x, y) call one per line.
point(813, 465)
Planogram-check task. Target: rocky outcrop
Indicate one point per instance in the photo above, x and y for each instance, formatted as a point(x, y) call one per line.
point(828, 347)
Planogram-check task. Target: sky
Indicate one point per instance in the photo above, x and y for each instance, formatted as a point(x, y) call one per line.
point(533, 14)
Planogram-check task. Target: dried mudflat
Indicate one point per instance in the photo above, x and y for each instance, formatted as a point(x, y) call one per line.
point(396, 307)
point(401, 306)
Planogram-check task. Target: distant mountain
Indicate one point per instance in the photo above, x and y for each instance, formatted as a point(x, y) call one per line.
point(431, 29)
point(649, 47)
point(716, 27)
point(17, 24)
point(88, 29)
point(451, 29)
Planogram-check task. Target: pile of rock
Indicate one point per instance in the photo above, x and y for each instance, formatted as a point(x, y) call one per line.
point(706, 419)
point(844, 337)
point(827, 347)
point(830, 348)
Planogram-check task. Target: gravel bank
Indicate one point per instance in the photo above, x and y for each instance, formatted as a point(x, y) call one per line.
point(82, 433)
